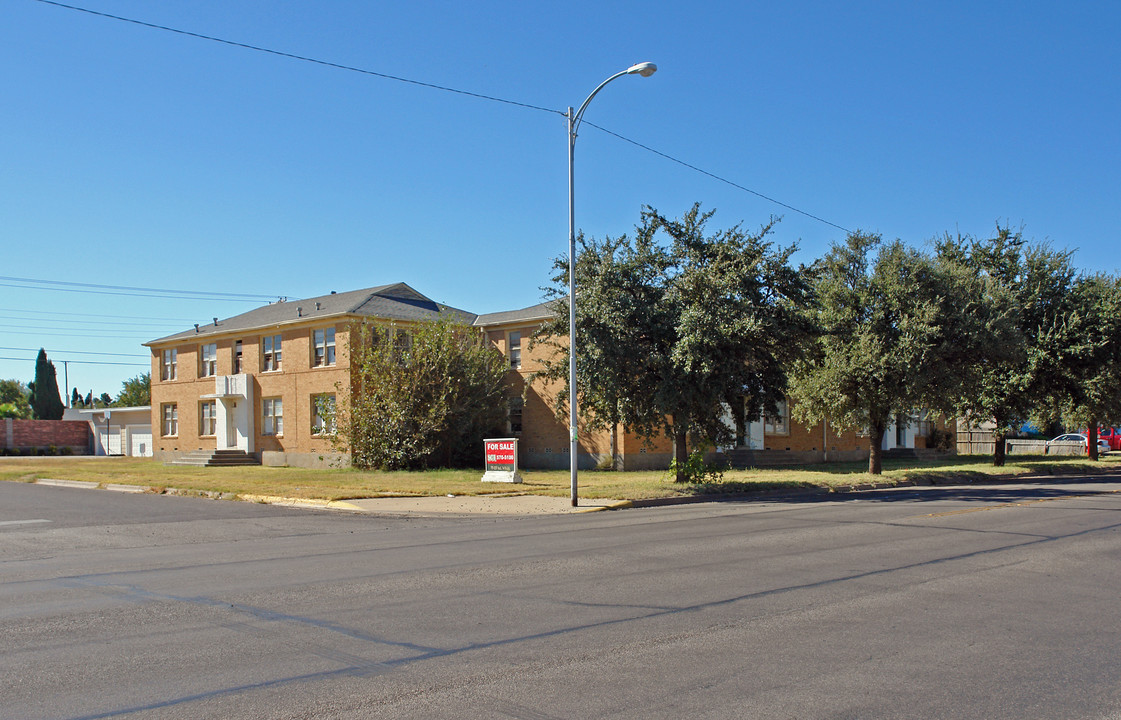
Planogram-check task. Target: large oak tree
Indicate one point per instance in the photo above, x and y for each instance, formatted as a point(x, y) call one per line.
point(676, 324)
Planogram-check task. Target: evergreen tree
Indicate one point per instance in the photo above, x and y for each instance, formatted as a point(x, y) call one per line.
point(46, 403)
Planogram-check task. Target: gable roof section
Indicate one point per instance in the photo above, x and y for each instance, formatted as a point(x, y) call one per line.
point(387, 302)
point(541, 311)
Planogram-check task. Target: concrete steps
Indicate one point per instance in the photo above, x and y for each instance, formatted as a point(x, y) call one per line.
point(215, 458)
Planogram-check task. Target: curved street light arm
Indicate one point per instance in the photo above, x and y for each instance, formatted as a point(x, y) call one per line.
point(645, 69)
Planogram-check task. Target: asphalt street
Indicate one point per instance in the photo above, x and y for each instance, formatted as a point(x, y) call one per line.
point(971, 602)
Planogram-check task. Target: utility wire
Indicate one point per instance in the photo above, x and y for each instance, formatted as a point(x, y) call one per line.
point(74, 352)
point(301, 58)
point(716, 177)
point(86, 362)
point(127, 294)
point(78, 334)
point(94, 315)
point(62, 323)
point(138, 289)
point(158, 328)
point(446, 89)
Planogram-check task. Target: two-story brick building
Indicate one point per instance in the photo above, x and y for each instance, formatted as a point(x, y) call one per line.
point(254, 383)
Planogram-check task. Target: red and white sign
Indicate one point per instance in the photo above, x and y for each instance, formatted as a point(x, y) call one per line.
point(501, 455)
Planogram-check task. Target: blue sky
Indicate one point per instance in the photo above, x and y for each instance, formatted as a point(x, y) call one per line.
point(136, 157)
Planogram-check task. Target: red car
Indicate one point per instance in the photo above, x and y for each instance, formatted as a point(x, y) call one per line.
point(1111, 435)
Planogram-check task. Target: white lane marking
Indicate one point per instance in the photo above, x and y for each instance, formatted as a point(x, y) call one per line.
point(21, 522)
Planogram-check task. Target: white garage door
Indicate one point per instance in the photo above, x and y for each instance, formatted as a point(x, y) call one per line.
point(110, 441)
point(140, 440)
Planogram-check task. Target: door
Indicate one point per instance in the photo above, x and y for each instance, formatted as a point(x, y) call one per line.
point(140, 440)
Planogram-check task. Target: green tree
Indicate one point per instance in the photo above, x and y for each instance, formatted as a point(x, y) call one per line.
point(421, 396)
point(15, 399)
point(893, 337)
point(1094, 391)
point(1034, 375)
point(135, 392)
point(46, 403)
point(670, 334)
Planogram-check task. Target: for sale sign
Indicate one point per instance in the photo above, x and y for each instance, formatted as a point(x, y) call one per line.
point(501, 456)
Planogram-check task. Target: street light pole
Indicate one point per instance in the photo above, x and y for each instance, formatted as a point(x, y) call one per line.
point(645, 69)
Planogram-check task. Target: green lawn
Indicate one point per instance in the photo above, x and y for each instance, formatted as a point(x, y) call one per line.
point(342, 484)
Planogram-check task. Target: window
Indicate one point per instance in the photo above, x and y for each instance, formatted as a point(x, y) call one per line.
point(170, 416)
point(514, 407)
point(322, 414)
point(208, 360)
point(926, 424)
point(324, 342)
point(779, 423)
point(207, 415)
point(514, 348)
point(170, 359)
point(404, 344)
point(237, 357)
point(272, 412)
point(270, 353)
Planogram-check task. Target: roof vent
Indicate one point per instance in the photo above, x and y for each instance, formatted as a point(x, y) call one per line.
point(215, 322)
point(196, 327)
point(299, 312)
point(332, 292)
point(316, 306)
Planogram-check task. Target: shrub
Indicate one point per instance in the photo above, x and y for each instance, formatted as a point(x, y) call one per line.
point(697, 469)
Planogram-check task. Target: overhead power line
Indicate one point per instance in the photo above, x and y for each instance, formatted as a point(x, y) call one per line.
point(351, 68)
point(95, 315)
point(198, 293)
point(86, 362)
point(301, 58)
point(74, 352)
point(717, 177)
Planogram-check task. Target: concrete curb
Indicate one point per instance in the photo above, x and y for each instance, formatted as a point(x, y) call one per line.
point(300, 502)
point(760, 496)
point(85, 484)
point(621, 505)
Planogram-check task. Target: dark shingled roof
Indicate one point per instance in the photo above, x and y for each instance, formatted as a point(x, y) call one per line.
point(388, 302)
point(541, 311)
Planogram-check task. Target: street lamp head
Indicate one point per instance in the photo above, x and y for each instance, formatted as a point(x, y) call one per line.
point(645, 69)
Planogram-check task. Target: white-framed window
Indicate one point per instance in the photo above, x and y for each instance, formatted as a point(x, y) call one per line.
point(514, 348)
point(169, 415)
point(168, 366)
point(323, 414)
point(208, 360)
point(323, 341)
point(779, 422)
point(272, 416)
point(270, 353)
point(237, 357)
point(208, 414)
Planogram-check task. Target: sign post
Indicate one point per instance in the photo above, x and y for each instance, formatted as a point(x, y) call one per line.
point(501, 457)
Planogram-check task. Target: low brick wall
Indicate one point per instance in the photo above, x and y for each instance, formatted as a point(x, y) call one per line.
point(26, 435)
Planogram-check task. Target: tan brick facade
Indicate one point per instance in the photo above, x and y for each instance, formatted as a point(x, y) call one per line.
point(296, 382)
point(207, 370)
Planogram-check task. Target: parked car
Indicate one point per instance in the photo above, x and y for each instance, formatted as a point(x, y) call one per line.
point(1103, 446)
point(1111, 435)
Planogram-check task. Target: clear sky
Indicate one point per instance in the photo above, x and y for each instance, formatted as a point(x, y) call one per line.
point(137, 157)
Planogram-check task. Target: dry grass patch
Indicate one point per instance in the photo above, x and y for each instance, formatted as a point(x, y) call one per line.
point(343, 484)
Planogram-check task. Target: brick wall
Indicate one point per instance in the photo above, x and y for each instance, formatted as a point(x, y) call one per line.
point(25, 434)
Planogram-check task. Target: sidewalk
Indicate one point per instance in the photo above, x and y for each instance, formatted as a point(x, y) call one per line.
point(457, 505)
